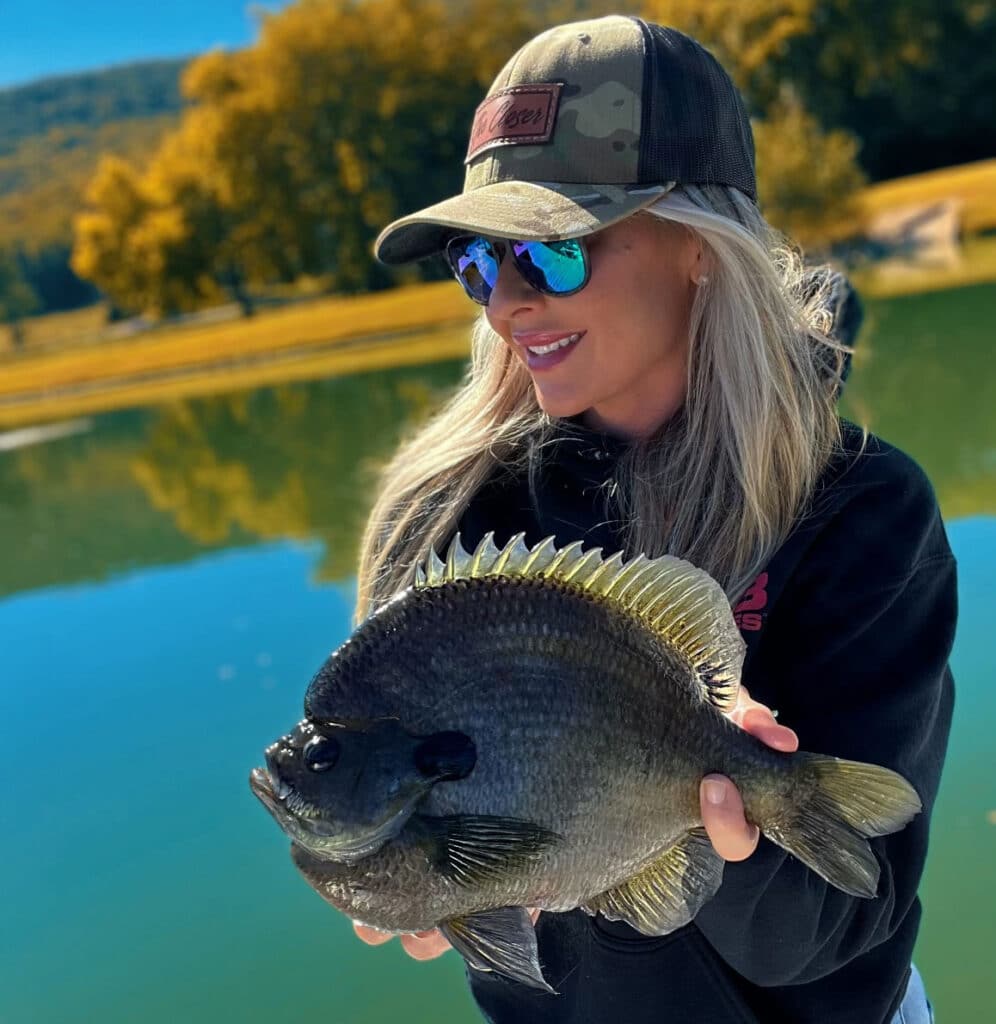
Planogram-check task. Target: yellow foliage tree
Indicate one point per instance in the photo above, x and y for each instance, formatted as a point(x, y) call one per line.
point(808, 179)
point(297, 150)
point(103, 249)
point(344, 115)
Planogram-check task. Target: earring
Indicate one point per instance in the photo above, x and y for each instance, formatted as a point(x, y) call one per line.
point(702, 280)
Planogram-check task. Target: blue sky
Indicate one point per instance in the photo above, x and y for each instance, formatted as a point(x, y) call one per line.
point(53, 37)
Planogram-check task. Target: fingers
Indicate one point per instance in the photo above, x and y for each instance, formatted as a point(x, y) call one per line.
point(420, 946)
point(758, 719)
point(761, 724)
point(371, 936)
point(425, 945)
point(723, 816)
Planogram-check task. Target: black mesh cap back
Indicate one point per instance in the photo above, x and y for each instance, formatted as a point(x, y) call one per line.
point(695, 128)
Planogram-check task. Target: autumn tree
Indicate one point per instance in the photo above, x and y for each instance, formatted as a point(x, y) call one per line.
point(913, 80)
point(167, 239)
point(103, 252)
point(808, 179)
point(346, 114)
point(297, 150)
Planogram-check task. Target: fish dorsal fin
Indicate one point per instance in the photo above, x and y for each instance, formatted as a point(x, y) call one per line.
point(683, 605)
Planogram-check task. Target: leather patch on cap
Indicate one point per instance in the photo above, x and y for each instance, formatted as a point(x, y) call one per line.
point(518, 116)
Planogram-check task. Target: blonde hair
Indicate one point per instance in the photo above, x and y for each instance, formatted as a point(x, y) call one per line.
point(722, 483)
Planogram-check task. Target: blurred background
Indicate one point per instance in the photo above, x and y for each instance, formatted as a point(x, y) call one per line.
point(202, 366)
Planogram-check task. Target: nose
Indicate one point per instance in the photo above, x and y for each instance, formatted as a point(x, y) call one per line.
point(512, 295)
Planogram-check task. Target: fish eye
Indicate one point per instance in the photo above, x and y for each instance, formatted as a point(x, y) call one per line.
point(320, 753)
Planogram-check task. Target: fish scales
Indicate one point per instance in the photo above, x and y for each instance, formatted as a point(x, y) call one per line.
point(591, 676)
point(529, 727)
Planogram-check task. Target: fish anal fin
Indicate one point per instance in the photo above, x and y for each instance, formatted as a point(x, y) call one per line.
point(476, 849)
point(667, 893)
point(502, 940)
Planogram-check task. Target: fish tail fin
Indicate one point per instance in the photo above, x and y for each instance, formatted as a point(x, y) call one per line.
point(840, 805)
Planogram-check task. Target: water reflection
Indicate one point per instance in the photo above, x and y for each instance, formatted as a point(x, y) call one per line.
point(298, 460)
point(166, 485)
point(924, 380)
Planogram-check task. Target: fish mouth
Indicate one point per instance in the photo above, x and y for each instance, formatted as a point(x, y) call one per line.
point(303, 821)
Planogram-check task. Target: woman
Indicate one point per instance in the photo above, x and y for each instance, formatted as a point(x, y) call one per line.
point(651, 373)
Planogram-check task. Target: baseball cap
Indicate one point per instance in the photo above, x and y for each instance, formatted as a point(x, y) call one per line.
point(587, 123)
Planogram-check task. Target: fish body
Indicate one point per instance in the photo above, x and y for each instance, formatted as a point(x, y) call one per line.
point(528, 728)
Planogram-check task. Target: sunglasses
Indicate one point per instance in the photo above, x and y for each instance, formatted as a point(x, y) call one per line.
point(553, 268)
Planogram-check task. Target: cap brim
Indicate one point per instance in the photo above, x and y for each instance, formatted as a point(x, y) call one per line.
point(527, 210)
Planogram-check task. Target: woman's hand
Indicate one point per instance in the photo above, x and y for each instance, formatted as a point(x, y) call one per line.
point(420, 945)
point(722, 808)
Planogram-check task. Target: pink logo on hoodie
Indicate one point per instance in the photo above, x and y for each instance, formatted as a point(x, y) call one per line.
point(748, 612)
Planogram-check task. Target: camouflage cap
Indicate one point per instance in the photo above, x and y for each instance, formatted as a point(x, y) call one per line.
point(586, 124)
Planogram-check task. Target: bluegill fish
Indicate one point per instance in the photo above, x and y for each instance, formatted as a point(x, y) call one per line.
point(528, 728)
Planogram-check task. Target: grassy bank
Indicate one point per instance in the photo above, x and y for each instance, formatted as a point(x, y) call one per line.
point(71, 367)
point(324, 337)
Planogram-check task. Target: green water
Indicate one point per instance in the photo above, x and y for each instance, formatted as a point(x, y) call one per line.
point(171, 578)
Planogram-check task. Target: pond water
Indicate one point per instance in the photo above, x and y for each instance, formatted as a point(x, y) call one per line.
point(171, 578)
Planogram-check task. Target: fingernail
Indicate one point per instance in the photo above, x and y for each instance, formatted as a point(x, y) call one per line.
point(715, 792)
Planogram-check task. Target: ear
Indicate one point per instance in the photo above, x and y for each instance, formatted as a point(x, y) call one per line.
point(700, 263)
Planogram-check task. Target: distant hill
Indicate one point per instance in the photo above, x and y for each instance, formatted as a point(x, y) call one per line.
point(52, 135)
point(89, 100)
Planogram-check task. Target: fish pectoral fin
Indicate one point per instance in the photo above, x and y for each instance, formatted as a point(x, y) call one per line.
point(475, 849)
point(502, 940)
point(667, 893)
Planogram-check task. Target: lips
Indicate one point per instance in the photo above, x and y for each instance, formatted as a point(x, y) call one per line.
point(545, 349)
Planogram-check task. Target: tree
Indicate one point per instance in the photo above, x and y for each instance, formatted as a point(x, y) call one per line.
point(103, 252)
point(162, 240)
point(913, 80)
point(297, 150)
point(17, 298)
point(808, 180)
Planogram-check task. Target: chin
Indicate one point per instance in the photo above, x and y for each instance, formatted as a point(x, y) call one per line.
point(560, 406)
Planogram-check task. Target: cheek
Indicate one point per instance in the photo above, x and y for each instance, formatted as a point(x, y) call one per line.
point(495, 325)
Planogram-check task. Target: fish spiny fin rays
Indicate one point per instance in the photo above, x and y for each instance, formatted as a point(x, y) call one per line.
point(685, 606)
point(669, 892)
point(503, 941)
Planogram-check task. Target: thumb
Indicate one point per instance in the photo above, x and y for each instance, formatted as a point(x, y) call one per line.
point(723, 816)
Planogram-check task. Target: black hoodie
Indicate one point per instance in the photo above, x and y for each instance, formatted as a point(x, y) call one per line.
point(848, 632)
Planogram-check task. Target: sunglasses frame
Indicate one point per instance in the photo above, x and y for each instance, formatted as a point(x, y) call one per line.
point(505, 246)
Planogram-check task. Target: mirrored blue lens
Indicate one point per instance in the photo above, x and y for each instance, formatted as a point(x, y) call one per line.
point(476, 265)
point(556, 268)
